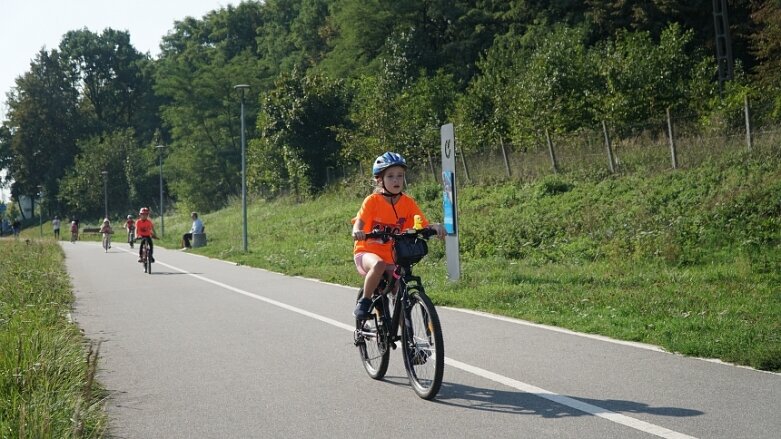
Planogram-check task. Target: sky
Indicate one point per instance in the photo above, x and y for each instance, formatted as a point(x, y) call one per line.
point(27, 26)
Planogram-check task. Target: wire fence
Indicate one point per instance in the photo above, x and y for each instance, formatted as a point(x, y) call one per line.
point(671, 142)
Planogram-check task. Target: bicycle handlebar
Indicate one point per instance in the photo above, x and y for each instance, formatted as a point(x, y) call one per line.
point(422, 233)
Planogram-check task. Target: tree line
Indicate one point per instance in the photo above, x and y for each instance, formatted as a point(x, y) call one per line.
point(337, 82)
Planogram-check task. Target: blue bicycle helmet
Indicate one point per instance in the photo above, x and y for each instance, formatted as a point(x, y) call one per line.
point(387, 160)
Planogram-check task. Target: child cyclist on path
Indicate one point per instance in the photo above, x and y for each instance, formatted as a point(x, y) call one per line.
point(130, 226)
point(145, 229)
point(107, 230)
point(388, 208)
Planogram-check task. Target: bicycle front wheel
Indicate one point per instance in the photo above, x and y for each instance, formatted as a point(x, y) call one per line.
point(371, 340)
point(423, 347)
point(148, 262)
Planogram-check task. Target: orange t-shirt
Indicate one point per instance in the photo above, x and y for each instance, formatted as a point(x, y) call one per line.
point(376, 211)
point(144, 228)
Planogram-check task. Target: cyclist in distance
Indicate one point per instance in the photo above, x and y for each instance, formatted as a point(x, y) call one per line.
point(130, 226)
point(145, 229)
point(106, 229)
point(386, 209)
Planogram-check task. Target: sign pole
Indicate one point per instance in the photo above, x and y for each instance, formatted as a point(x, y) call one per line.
point(449, 201)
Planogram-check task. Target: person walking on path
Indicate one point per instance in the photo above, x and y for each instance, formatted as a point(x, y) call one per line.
point(56, 227)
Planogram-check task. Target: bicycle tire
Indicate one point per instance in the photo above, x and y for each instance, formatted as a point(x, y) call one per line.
point(373, 350)
point(423, 346)
point(145, 257)
point(148, 260)
point(105, 244)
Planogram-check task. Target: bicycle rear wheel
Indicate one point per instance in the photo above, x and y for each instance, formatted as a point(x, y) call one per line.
point(423, 347)
point(371, 340)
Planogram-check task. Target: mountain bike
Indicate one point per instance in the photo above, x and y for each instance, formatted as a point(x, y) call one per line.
point(401, 304)
point(107, 241)
point(146, 254)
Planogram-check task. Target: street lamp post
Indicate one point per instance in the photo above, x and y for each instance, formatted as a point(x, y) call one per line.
point(40, 208)
point(242, 88)
point(105, 193)
point(162, 211)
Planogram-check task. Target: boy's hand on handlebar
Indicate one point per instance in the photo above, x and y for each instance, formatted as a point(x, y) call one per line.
point(359, 235)
point(439, 229)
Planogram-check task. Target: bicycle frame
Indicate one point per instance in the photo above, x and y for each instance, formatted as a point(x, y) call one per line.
point(392, 322)
point(146, 253)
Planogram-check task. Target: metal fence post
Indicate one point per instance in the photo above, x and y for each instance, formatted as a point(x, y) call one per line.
point(504, 156)
point(610, 161)
point(552, 153)
point(748, 123)
point(673, 153)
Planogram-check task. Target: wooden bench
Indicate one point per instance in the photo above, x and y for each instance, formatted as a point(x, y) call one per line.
point(88, 231)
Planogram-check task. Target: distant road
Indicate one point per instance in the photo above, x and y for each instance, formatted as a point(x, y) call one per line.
point(207, 349)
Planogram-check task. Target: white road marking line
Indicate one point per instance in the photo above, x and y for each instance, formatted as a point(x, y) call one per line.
point(501, 379)
point(561, 330)
point(570, 402)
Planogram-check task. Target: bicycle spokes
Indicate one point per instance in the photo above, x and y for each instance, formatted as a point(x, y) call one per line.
point(423, 347)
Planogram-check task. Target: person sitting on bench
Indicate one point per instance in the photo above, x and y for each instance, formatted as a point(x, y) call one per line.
point(196, 228)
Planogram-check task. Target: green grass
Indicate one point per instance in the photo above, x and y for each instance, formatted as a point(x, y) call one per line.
point(46, 371)
point(687, 260)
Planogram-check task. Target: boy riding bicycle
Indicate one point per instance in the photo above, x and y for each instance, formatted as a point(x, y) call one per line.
point(130, 226)
point(145, 230)
point(388, 208)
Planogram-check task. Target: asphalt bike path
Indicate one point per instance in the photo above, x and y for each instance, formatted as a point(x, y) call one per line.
point(203, 348)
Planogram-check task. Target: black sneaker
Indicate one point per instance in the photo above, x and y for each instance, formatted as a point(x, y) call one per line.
point(362, 309)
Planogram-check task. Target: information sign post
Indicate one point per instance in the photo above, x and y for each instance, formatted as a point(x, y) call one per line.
point(450, 201)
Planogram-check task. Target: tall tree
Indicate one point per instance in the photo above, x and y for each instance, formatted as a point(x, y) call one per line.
point(311, 30)
point(115, 80)
point(767, 47)
point(298, 143)
point(611, 16)
point(201, 62)
point(42, 126)
point(130, 175)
